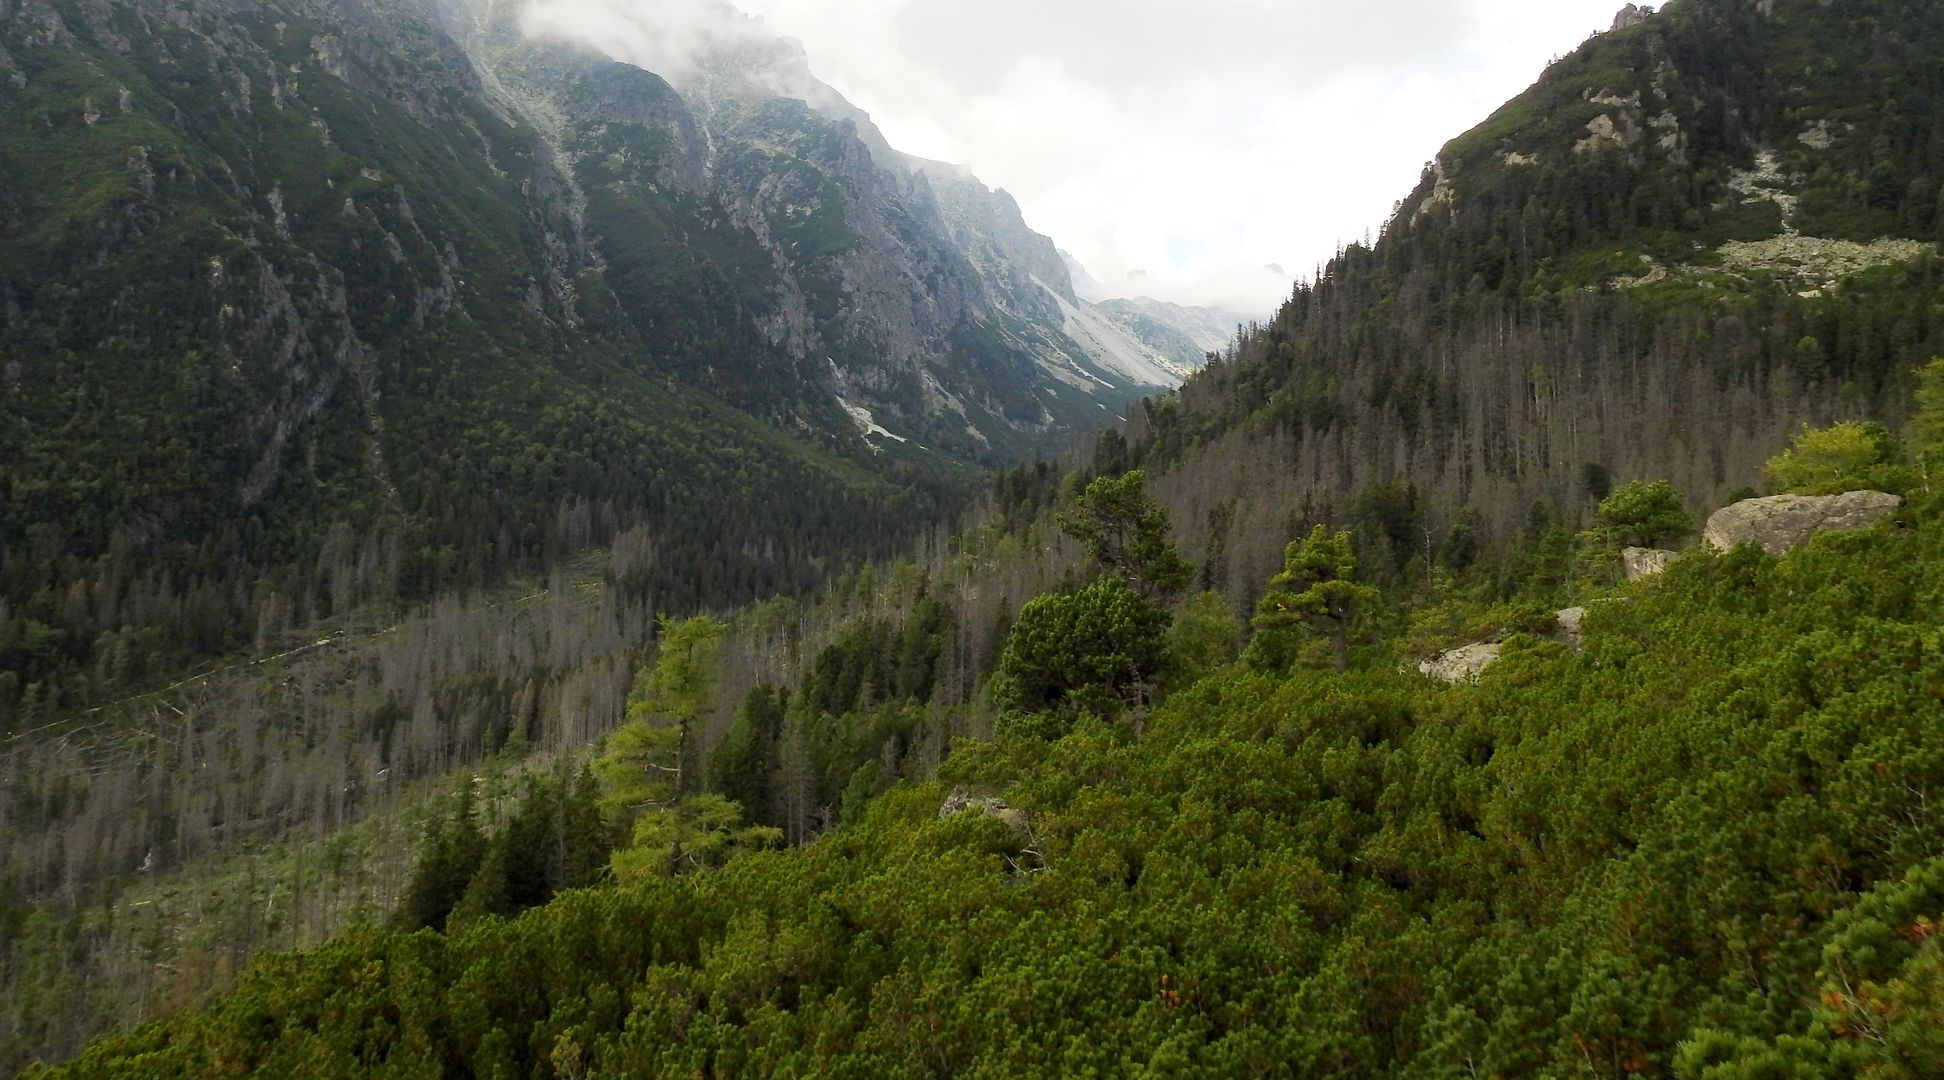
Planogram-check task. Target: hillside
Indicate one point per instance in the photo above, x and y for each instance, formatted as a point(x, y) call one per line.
point(1659, 261)
point(1701, 844)
point(325, 303)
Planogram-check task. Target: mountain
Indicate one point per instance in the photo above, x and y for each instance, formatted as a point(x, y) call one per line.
point(1178, 332)
point(1184, 334)
point(1059, 817)
point(327, 302)
point(1693, 235)
point(904, 289)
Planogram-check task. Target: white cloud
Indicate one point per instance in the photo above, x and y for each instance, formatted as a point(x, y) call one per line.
point(1196, 143)
point(663, 36)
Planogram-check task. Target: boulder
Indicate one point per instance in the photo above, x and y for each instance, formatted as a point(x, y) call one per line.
point(1571, 630)
point(1779, 523)
point(1568, 631)
point(1645, 562)
point(1461, 664)
point(1630, 15)
point(961, 801)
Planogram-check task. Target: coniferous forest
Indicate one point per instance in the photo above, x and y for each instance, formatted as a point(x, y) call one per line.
point(1432, 686)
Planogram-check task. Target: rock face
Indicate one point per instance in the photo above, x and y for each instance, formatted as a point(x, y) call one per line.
point(874, 280)
point(1779, 523)
point(1630, 15)
point(1462, 664)
point(1185, 335)
point(961, 801)
point(1645, 562)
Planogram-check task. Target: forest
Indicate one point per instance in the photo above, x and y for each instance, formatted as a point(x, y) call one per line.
point(1699, 842)
point(1124, 764)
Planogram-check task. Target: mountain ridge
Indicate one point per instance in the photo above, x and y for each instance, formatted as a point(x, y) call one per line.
point(396, 267)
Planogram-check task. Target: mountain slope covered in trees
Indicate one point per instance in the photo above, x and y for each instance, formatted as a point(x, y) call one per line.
point(1703, 845)
point(1659, 261)
point(310, 305)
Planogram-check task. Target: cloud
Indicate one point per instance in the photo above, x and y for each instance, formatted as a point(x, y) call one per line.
point(667, 37)
point(1194, 142)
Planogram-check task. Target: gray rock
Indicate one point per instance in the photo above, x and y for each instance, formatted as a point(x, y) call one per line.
point(1571, 631)
point(1568, 631)
point(1630, 15)
point(1645, 562)
point(961, 801)
point(1462, 664)
point(1779, 523)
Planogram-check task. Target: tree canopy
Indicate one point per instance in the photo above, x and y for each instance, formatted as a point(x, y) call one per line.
point(1317, 589)
point(1846, 456)
point(1642, 514)
point(1125, 531)
point(1100, 648)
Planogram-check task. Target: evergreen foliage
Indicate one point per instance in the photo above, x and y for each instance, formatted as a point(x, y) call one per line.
point(1097, 649)
point(1848, 456)
point(1926, 431)
point(1642, 514)
point(1317, 590)
point(1704, 846)
point(1125, 532)
point(448, 862)
point(648, 787)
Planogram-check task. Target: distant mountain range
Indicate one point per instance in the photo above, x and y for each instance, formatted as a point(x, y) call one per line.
point(1184, 334)
point(477, 300)
point(898, 288)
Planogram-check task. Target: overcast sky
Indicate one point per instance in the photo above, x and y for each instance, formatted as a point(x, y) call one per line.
point(1178, 147)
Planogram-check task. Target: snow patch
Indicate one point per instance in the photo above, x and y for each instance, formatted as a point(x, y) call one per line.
point(866, 424)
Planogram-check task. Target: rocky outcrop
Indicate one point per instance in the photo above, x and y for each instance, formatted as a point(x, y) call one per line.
point(1780, 523)
point(1568, 631)
point(1645, 562)
point(1465, 663)
point(961, 801)
point(1819, 261)
point(1462, 664)
point(1630, 15)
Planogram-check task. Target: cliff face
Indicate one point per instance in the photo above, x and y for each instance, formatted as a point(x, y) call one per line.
point(882, 281)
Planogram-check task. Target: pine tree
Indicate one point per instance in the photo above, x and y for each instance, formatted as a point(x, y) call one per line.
point(1317, 589)
point(451, 858)
point(1126, 531)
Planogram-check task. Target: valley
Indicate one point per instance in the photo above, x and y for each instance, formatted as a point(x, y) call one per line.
point(514, 565)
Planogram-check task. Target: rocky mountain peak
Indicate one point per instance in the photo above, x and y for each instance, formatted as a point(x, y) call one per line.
point(1630, 15)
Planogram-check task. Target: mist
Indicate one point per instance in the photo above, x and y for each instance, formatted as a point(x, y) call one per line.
point(1176, 150)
